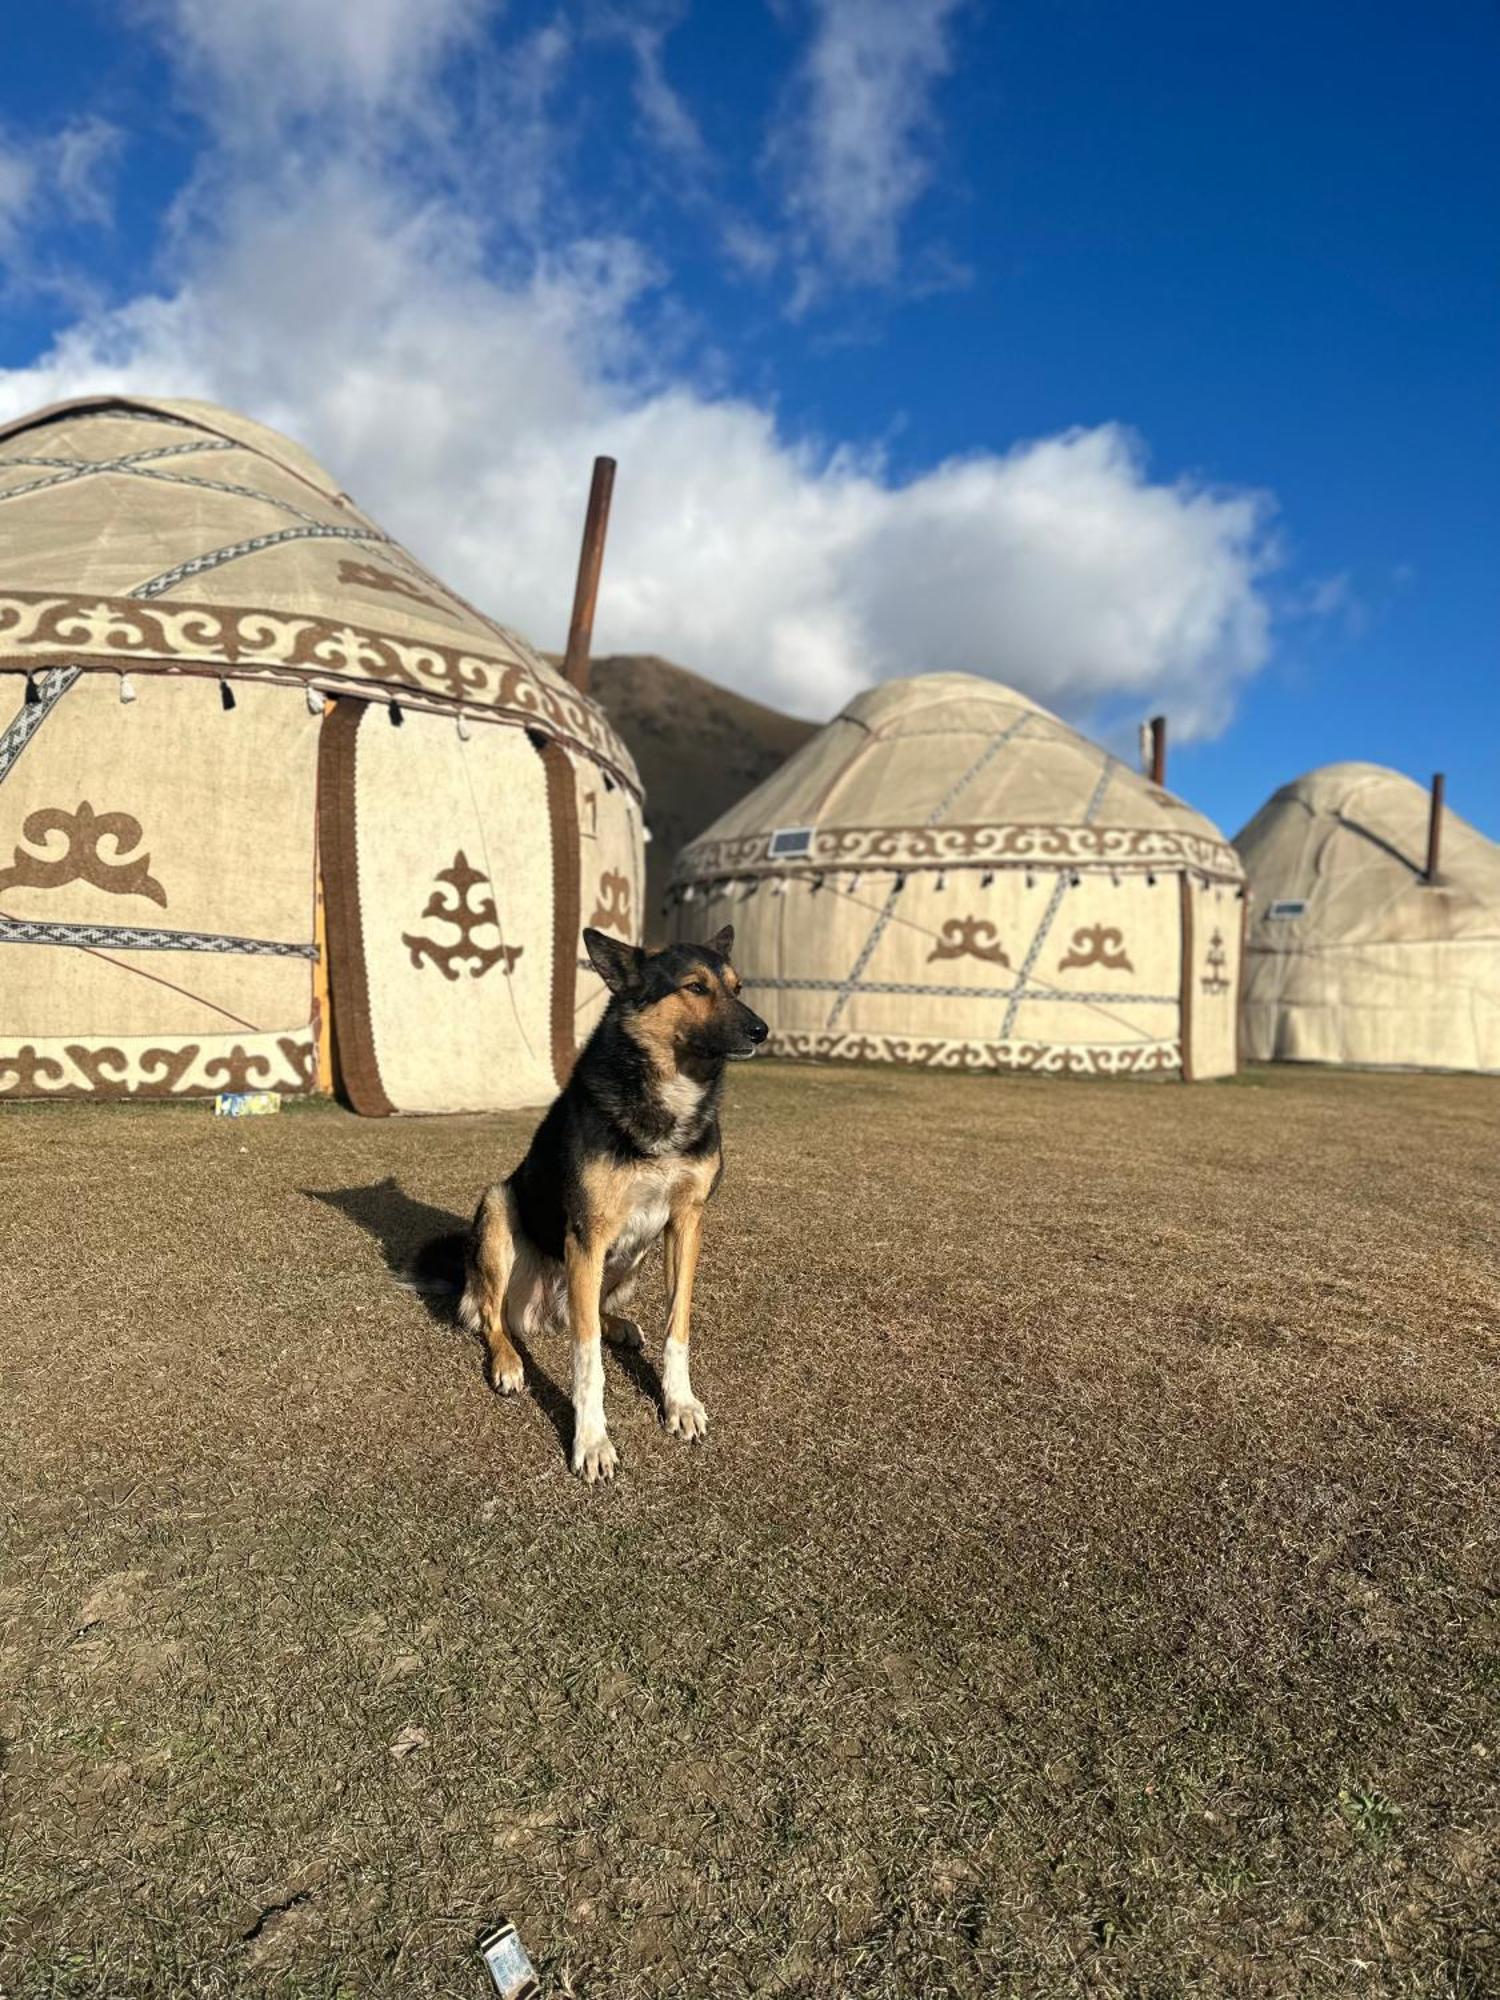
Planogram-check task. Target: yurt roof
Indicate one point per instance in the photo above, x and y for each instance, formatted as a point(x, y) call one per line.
point(182, 535)
point(1349, 843)
point(941, 769)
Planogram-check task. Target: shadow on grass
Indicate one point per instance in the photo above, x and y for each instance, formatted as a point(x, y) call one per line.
point(423, 1247)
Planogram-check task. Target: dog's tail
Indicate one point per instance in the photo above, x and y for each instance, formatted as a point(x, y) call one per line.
point(437, 1268)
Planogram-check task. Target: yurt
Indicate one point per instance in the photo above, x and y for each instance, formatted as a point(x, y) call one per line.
point(949, 876)
point(272, 798)
point(1374, 933)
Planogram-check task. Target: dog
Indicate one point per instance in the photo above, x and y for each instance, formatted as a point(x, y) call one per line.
point(629, 1153)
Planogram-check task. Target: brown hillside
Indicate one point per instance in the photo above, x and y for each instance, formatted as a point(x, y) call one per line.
point(699, 749)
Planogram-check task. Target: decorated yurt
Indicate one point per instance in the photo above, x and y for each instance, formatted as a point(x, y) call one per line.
point(950, 876)
point(278, 810)
point(1374, 932)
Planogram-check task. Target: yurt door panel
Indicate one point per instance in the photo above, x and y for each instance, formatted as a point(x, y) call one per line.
point(1212, 927)
point(438, 857)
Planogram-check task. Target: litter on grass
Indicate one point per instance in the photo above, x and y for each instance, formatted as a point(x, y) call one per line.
point(512, 1971)
point(246, 1103)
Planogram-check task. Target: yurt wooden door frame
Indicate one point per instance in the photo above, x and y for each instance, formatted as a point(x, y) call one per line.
point(453, 930)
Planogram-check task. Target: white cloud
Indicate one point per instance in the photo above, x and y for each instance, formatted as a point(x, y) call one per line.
point(64, 177)
point(462, 403)
point(1332, 601)
point(852, 149)
point(17, 185)
point(266, 63)
point(664, 115)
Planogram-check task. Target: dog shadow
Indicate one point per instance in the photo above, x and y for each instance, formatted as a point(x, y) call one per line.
point(423, 1248)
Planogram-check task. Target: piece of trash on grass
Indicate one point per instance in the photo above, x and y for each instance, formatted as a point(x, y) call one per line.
point(246, 1103)
point(512, 1971)
point(412, 1737)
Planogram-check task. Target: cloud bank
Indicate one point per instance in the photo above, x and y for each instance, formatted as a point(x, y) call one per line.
point(356, 294)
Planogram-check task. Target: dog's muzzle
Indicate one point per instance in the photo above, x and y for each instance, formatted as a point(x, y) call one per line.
point(754, 1030)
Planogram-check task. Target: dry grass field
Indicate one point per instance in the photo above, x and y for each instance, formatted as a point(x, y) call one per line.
point(1087, 1586)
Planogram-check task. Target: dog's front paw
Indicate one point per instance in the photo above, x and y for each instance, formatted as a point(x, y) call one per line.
point(507, 1378)
point(688, 1419)
point(594, 1458)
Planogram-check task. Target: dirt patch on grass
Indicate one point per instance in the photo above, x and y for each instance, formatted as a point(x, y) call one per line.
point(1087, 1585)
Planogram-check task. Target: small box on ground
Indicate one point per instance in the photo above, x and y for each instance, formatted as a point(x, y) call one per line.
point(512, 1971)
point(245, 1103)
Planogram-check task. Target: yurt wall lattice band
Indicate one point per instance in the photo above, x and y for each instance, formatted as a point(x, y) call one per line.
point(1103, 939)
point(215, 673)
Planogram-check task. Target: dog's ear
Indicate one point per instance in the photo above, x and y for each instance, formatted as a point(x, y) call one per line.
point(723, 944)
point(617, 964)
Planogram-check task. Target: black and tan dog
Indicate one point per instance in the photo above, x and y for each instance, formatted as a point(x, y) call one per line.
point(629, 1153)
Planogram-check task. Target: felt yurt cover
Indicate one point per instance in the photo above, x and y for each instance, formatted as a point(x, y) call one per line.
point(1353, 956)
point(948, 875)
point(214, 669)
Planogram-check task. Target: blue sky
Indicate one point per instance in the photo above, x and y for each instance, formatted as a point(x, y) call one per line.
point(1142, 356)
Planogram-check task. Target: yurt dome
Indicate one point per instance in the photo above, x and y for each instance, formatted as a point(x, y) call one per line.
point(1354, 954)
point(270, 791)
point(948, 875)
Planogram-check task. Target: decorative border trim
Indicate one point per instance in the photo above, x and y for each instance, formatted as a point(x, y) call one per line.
point(158, 1066)
point(68, 471)
point(349, 986)
point(51, 687)
point(1185, 1003)
point(1132, 847)
point(567, 903)
point(53, 629)
point(253, 545)
point(125, 937)
point(1047, 1058)
point(1058, 995)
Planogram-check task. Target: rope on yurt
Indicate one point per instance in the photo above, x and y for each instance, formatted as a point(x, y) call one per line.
point(877, 930)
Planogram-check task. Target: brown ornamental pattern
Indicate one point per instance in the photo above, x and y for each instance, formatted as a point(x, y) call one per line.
point(104, 1069)
point(82, 859)
point(1216, 972)
point(46, 629)
point(1137, 847)
point(612, 911)
point(969, 937)
point(370, 576)
point(466, 916)
point(1093, 1059)
point(1097, 944)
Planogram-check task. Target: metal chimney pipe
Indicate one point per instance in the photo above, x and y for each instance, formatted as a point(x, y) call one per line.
point(1435, 826)
point(1158, 749)
point(590, 562)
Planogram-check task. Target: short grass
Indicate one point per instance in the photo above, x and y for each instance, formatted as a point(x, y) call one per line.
point(1087, 1586)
